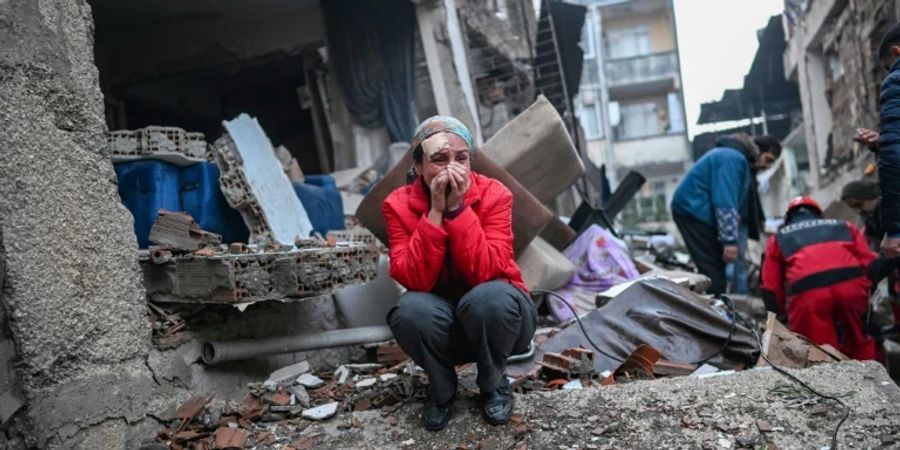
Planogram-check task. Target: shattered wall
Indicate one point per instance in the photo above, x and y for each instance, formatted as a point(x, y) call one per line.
point(72, 292)
point(853, 73)
point(832, 53)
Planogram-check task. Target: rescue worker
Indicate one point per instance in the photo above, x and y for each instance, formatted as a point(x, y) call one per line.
point(450, 235)
point(820, 264)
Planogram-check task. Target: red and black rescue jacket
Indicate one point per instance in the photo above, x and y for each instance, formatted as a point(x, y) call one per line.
point(812, 254)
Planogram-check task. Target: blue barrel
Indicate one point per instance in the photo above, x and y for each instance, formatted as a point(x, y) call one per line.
point(145, 187)
point(202, 198)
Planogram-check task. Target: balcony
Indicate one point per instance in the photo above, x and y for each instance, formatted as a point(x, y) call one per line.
point(643, 74)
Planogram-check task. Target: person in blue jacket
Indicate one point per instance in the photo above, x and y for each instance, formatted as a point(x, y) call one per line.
point(889, 143)
point(715, 199)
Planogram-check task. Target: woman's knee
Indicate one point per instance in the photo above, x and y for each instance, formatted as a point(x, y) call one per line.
point(419, 311)
point(491, 300)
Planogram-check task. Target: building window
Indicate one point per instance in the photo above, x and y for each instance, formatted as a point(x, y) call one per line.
point(590, 120)
point(676, 116)
point(628, 42)
point(638, 120)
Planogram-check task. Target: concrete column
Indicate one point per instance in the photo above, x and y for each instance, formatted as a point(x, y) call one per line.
point(817, 119)
point(448, 68)
point(73, 290)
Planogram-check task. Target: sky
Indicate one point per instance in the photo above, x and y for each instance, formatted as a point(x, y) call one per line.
point(717, 41)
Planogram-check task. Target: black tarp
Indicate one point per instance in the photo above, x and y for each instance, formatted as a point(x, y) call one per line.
point(371, 50)
point(677, 322)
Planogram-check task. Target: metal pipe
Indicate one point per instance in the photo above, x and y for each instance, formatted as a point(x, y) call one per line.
point(215, 352)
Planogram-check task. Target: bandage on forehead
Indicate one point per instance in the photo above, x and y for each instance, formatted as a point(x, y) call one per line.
point(435, 143)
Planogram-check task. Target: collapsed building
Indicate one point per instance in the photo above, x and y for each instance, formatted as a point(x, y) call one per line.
point(85, 360)
point(104, 315)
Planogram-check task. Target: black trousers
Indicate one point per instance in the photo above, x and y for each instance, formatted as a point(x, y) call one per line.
point(702, 241)
point(488, 324)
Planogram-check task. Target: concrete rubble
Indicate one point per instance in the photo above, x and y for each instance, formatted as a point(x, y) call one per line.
point(751, 409)
point(170, 144)
point(189, 266)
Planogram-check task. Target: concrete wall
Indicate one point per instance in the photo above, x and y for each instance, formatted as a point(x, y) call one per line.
point(831, 55)
point(73, 290)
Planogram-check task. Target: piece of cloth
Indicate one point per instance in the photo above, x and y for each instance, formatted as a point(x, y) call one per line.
point(473, 248)
point(602, 261)
point(441, 124)
point(371, 49)
point(889, 151)
point(716, 192)
point(835, 315)
point(705, 249)
point(488, 324)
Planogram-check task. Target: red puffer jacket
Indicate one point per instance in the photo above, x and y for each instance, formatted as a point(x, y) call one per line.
point(473, 248)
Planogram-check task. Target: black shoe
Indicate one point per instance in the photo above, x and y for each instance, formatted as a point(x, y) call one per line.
point(435, 416)
point(498, 405)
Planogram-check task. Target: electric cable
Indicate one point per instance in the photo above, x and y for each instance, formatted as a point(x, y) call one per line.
point(730, 304)
point(577, 319)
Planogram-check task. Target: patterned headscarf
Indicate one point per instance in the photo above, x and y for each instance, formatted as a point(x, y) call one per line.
point(440, 124)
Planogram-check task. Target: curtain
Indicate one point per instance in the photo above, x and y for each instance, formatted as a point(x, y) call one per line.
point(371, 50)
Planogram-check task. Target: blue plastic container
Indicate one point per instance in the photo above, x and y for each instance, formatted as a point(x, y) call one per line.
point(323, 205)
point(145, 187)
point(202, 198)
point(323, 181)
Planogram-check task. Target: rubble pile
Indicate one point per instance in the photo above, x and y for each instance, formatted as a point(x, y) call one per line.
point(290, 400)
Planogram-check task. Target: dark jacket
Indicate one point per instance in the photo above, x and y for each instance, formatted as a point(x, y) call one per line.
point(889, 152)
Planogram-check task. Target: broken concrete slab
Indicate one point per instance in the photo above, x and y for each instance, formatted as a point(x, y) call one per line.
point(366, 383)
point(177, 231)
point(255, 184)
point(535, 148)
point(289, 373)
point(170, 144)
point(323, 412)
point(253, 277)
point(309, 381)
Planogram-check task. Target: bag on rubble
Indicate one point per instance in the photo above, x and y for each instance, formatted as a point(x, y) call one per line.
point(602, 261)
